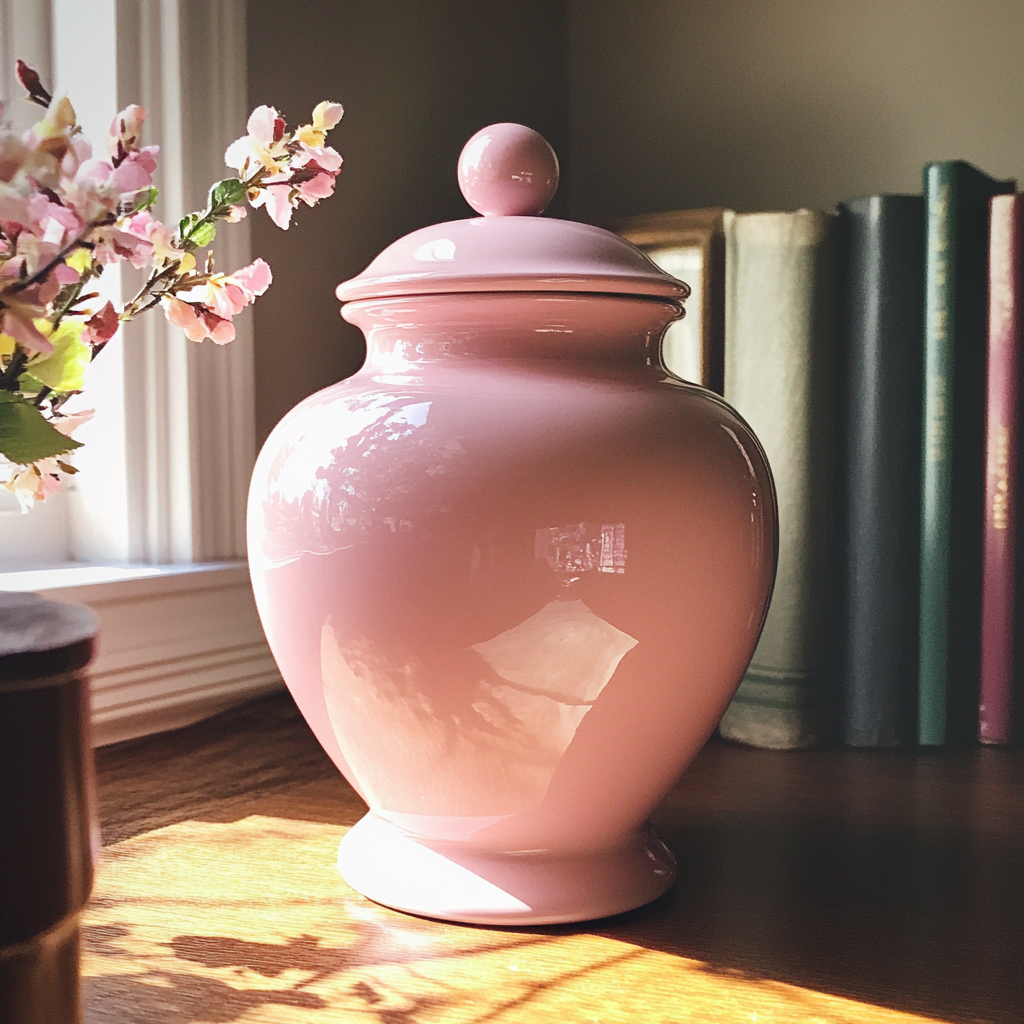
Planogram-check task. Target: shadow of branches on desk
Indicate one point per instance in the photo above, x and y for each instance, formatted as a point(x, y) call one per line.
point(168, 997)
point(162, 996)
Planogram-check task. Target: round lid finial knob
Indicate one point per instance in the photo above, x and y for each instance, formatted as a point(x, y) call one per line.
point(508, 170)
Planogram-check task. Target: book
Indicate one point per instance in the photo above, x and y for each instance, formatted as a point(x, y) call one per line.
point(881, 243)
point(780, 375)
point(689, 245)
point(999, 555)
point(953, 433)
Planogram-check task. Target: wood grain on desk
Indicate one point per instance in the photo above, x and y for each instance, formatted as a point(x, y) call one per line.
point(831, 886)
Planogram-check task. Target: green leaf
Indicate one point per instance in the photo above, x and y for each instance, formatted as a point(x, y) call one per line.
point(25, 435)
point(195, 231)
point(226, 193)
point(28, 385)
point(64, 369)
point(203, 233)
point(186, 224)
point(145, 199)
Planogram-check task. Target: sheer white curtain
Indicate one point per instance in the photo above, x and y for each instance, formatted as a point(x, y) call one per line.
point(165, 467)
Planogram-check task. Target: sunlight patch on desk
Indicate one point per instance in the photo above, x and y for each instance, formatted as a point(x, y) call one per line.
point(249, 921)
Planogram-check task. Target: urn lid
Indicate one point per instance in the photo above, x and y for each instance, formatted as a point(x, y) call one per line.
point(508, 174)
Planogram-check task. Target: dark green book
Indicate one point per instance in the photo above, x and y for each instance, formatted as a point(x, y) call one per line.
point(881, 241)
point(953, 449)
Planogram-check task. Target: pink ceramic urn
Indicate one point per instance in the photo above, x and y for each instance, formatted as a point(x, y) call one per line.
point(513, 570)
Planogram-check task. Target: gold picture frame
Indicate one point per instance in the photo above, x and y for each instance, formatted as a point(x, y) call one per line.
point(689, 244)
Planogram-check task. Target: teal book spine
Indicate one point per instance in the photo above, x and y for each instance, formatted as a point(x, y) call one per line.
point(953, 457)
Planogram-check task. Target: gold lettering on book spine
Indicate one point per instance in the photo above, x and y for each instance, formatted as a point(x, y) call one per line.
point(937, 419)
point(1000, 469)
point(937, 404)
point(1000, 337)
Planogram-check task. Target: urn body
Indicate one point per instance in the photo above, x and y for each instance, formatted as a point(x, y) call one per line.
point(512, 572)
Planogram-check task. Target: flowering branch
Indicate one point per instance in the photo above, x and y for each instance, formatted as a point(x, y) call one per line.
point(65, 215)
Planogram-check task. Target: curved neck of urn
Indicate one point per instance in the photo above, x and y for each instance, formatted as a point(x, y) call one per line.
point(605, 329)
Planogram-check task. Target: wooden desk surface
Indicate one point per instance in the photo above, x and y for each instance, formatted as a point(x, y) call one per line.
point(832, 886)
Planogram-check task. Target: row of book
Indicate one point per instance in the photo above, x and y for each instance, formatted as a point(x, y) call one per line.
point(876, 353)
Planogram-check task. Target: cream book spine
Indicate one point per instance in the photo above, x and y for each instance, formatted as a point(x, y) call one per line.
point(780, 375)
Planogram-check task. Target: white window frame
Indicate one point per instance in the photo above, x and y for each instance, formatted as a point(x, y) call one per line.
point(155, 536)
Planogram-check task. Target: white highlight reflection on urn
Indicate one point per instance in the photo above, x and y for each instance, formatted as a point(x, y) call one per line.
point(493, 750)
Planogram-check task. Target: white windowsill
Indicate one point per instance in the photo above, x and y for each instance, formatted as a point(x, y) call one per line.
point(95, 577)
point(177, 643)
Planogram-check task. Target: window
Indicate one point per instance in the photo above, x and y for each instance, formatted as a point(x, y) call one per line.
point(165, 469)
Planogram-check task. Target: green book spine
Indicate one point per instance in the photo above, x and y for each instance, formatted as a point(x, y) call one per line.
point(953, 465)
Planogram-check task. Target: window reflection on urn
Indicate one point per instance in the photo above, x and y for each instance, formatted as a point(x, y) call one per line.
point(489, 741)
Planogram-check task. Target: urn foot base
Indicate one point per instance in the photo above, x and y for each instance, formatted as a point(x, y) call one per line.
point(455, 883)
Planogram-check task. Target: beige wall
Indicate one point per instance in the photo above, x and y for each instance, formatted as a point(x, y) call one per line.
point(769, 104)
point(417, 78)
point(753, 104)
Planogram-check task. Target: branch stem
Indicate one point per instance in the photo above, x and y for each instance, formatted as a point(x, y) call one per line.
point(44, 272)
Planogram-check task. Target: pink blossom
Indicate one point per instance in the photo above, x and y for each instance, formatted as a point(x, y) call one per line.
point(48, 289)
point(18, 324)
point(182, 314)
point(98, 186)
point(78, 152)
point(255, 278)
point(223, 296)
point(14, 211)
point(33, 483)
point(328, 114)
point(52, 222)
point(319, 187)
point(135, 172)
point(324, 157)
point(67, 425)
point(65, 274)
point(94, 171)
point(125, 132)
point(49, 478)
point(265, 125)
point(325, 116)
point(207, 309)
point(325, 162)
point(87, 193)
point(277, 199)
point(142, 225)
point(197, 321)
point(264, 144)
point(221, 330)
point(113, 245)
point(31, 253)
point(145, 226)
point(227, 295)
